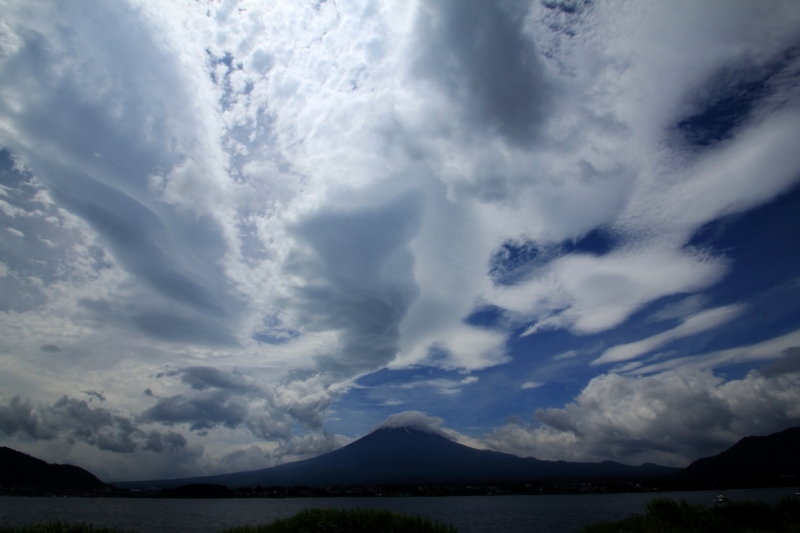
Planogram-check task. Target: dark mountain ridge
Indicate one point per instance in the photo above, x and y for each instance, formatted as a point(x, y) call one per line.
point(20, 471)
point(752, 458)
point(408, 455)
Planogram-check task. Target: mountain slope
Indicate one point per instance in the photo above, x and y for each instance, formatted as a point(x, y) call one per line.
point(772, 456)
point(407, 455)
point(21, 471)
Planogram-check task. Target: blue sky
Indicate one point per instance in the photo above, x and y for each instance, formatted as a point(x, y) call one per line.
point(236, 234)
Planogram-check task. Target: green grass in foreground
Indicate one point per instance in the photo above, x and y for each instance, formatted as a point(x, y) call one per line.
point(310, 521)
point(348, 521)
point(668, 516)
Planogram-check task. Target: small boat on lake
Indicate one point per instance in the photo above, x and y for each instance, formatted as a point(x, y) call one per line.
point(721, 498)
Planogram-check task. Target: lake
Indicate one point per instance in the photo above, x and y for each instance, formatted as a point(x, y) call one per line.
point(470, 514)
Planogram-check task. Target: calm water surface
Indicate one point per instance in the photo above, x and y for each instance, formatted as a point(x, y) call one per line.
point(470, 514)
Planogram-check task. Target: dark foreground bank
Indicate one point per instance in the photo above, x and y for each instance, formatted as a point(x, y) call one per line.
point(660, 516)
point(308, 521)
point(668, 516)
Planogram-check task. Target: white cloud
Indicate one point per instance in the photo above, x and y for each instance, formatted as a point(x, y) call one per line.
point(307, 446)
point(756, 166)
point(681, 309)
point(762, 351)
point(694, 324)
point(589, 294)
point(569, 354)
point(415, 420)
point(369, 138)
point(441, 385)
point(665, 201)
point(671, 418)
point(429, 424)
point(474, 348)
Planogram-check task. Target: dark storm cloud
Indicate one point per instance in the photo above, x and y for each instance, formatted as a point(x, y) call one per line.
point(194, 329)
point(270, 426)
point(76, 421)
point(156, 441)
point(231, 400)
point(98, 306)
point(95, 394)
point(308, 445)
point(359, 280)
point(18, 417)
point(96, 427)
point(250, 458)
point(788, 364)
point(201, 412)
point(479, 55)
point(169, 323)
point(204, 377)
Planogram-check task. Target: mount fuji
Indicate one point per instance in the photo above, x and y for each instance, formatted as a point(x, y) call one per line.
point(397, 455)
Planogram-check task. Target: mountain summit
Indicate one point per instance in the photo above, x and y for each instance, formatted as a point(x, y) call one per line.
point(391, 455)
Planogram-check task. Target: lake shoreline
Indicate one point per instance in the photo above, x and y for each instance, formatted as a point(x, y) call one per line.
point(547, 513)
point(416, 490)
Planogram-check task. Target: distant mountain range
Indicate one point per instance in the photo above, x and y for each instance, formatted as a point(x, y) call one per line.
point(408, 455)
point(20, 471)
point(752, 458)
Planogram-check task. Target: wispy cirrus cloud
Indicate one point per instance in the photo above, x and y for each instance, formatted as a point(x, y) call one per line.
point(697, 323)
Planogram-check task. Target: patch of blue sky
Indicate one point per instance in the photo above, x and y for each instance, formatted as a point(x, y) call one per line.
point(488, 316)
point(760, 242)
point(273, 338)
point(598, 242)
point(435, 391)
point(550, 367)
point(730, 99)
point(762, 278)
point(761, 245)
point(496, 394)
point(515, 260)
point(274, 332)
